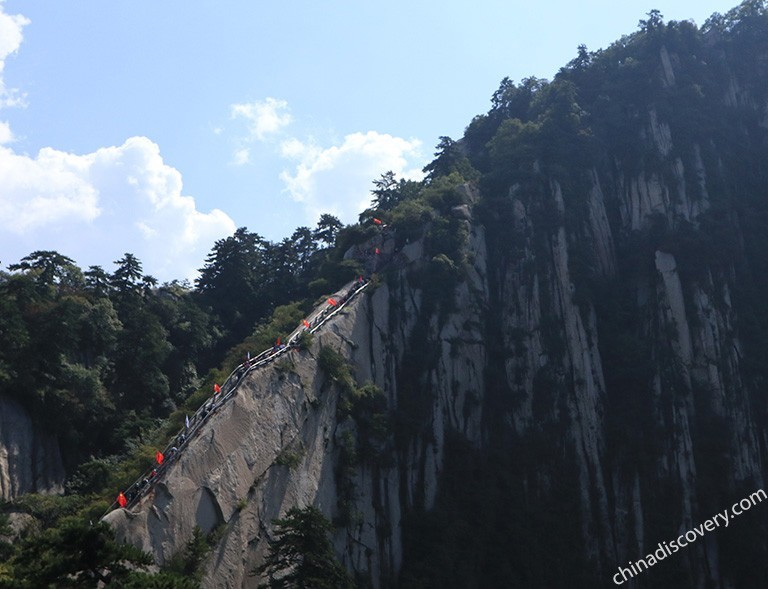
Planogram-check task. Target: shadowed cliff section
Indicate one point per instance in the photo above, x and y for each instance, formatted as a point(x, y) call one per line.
point(570, 344)
point(624, 204)
point(30, 460)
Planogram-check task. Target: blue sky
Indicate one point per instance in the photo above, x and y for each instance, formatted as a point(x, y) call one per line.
point(158, 127)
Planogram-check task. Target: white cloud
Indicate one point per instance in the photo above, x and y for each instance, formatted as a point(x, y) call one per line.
point(6, 135)
point(241, 156)
point(95, 207)
point(294, 149)
point(338, 179)
point(10, 40)
point(264, 118)
point(37, 192)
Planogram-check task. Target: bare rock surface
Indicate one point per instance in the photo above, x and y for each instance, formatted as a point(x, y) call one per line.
point(30, 459)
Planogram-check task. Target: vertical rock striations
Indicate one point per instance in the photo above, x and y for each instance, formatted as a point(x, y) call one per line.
point(582, 379)
point(30, 460)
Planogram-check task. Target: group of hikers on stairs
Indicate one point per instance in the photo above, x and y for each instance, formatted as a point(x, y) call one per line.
point(164, 459)
point(223, 393)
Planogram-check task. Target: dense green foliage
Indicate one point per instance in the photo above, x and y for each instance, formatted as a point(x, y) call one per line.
point(78, 555)
point(301, 555)
point(95, 358)
point(99, 358)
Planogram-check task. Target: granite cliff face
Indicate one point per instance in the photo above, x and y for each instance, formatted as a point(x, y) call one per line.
point(589, 384)
point(277, 444)
point(30, 460)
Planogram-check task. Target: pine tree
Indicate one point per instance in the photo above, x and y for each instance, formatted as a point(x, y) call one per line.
point(74, 555)
point(301, 556)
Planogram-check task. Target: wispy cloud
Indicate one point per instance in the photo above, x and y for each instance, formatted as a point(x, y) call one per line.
point(241, 156)
point(6, 135)
point(334, 178)
point(11, 36)
point(264, 117)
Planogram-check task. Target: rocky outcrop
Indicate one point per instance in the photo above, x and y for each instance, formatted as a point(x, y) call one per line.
point(583, 343)
point(277, 444)
point(30, 459)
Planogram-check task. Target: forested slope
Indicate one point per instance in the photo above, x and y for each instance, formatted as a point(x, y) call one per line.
point(563, 366)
